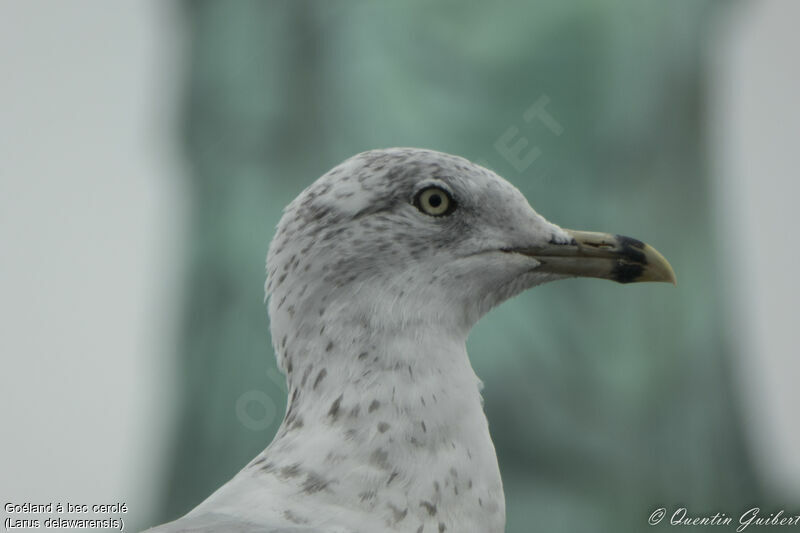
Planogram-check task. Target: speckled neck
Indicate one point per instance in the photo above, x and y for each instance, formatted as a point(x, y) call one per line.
point(393, 429)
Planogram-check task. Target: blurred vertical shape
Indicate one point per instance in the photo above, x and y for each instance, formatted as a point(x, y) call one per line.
point(755, 128)
point(605, 402)
point(91, 225)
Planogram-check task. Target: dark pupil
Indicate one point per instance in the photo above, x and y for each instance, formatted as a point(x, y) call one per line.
point(435, 200)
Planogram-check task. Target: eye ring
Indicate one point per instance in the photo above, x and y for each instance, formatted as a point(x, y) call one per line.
point(434, 201)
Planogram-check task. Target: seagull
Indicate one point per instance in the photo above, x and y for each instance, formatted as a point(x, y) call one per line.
point(375, 276)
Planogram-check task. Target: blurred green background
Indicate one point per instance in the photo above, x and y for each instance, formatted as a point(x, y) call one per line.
point(605, 402)
point(147, 148)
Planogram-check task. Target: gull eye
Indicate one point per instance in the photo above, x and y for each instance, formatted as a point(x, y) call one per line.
point(434, 201)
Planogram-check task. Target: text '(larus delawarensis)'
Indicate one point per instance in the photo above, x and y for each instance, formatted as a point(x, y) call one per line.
point(375, 276)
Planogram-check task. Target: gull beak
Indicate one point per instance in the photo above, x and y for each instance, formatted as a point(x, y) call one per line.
point(602, 255)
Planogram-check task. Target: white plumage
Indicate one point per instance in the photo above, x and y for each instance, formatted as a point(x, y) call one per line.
point(376, 274)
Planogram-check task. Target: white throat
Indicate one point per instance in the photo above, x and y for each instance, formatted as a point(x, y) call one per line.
point(394, 430)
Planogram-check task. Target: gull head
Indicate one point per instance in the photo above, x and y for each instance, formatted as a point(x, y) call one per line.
point(396, 236)
point(376, 274)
